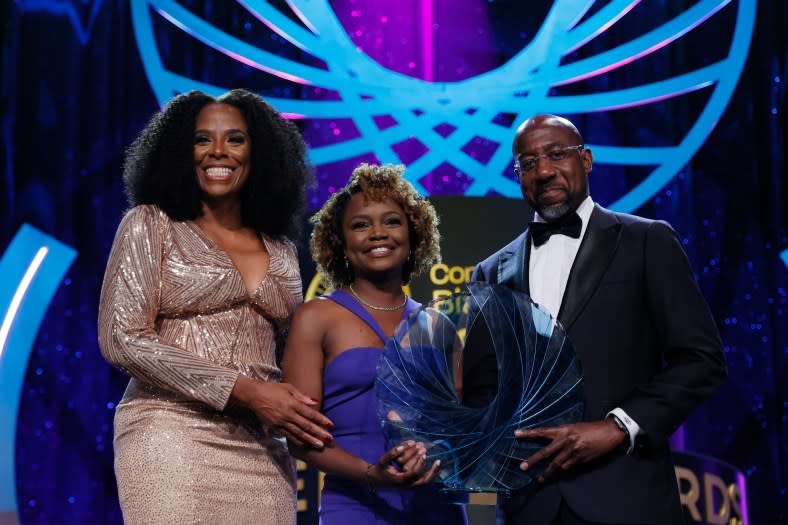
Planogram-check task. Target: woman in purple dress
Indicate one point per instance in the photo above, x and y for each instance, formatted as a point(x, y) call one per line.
point(369, 238)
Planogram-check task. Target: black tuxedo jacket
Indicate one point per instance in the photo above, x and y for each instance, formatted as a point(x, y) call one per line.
point(647, 343)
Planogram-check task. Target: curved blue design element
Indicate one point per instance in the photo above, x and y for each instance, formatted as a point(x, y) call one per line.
point(784, 257)
point(521, 87)
point(32, 268)
point(68, 9)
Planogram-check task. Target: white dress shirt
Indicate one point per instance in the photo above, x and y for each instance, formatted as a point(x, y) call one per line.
point(549, 264)
point(548, 272)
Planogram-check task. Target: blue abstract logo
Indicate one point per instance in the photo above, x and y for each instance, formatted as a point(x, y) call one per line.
point(528, 83)
point(32, 268)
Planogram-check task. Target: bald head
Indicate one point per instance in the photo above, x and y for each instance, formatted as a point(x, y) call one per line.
point(545, 121)
point(552, 165)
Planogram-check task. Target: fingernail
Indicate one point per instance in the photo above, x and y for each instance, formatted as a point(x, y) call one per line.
point(314, 400)
point(400, 448)
point(330, 438)
point(319, 444)
point(524, 465)
point(438, 462)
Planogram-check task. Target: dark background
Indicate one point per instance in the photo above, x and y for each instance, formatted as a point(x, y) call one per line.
point(73, 94)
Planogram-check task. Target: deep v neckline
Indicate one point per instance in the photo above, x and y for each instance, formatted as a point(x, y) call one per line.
point(218, 249)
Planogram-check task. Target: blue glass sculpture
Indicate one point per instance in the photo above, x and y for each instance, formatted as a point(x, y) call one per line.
point(419, 381)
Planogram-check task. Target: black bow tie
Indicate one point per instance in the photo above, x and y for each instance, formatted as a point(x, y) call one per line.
point(570, 224)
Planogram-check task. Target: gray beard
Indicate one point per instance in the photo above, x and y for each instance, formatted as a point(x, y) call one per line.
point(554, 212)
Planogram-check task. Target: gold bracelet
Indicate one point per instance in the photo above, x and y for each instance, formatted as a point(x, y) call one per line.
point(368, 477)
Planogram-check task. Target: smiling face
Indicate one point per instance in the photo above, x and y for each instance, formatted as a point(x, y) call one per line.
point(222, 151)
point(552, 187)
point(377, 241)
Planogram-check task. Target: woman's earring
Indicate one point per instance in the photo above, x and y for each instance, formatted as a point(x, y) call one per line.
point(347, 264)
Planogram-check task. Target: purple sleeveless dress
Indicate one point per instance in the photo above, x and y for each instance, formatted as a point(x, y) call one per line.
point(349, 401)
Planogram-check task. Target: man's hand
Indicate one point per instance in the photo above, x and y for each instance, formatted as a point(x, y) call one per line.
point(572, 444)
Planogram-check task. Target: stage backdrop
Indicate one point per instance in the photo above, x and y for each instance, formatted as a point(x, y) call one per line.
point(682, 102)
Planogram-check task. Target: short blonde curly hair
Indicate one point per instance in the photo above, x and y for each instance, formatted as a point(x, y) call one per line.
point(376, 183)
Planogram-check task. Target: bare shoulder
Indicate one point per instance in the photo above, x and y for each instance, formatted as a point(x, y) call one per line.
point(318, 313)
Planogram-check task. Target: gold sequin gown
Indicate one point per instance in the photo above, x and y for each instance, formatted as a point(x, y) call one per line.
point(176, 316)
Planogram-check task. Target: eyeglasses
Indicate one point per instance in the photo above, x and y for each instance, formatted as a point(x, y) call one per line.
point(557, 155)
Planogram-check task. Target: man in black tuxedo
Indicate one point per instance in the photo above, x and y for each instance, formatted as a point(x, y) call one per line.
point(623, 289)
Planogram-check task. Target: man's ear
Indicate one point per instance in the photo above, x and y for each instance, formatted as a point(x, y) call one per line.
point(588, 160)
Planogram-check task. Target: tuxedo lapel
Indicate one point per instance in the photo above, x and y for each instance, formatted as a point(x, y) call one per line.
point(593, 258)
point(512, 266)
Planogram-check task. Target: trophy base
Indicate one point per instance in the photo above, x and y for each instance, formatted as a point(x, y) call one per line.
point(464, 491)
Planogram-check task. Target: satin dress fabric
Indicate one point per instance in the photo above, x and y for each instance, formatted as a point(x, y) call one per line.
point(176, 316)
point(349, 400)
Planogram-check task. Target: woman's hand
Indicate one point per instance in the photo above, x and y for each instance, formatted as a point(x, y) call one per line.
point(284, 408)
point(411, 458)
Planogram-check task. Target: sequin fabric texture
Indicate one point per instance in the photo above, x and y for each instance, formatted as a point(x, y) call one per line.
point(176, 316)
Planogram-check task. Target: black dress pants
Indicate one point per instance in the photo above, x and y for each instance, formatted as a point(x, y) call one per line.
point(567, 517)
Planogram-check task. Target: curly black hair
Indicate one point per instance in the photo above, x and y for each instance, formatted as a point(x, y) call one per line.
point(377, 183)
point(158, 167)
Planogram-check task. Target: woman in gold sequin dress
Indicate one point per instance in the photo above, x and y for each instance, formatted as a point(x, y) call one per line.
point(200, 282)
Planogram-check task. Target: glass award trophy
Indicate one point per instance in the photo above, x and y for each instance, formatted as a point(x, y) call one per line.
point(484, 328)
